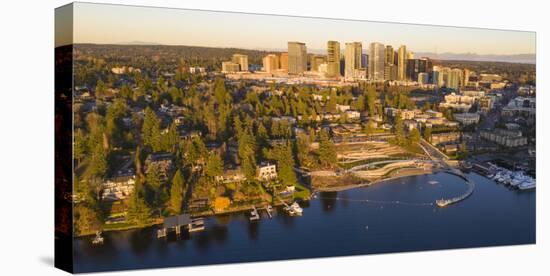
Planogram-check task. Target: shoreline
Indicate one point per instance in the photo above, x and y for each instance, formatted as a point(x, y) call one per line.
point(210, 213)
point(377, 181)
point(239, 209)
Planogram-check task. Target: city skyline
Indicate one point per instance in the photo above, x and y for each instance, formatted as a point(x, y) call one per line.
point(167, 27)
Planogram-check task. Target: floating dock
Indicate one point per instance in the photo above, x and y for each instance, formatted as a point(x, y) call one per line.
point(254, 215)
point(269, 211)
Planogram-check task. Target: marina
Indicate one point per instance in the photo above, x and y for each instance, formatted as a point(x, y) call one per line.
point(514, 179)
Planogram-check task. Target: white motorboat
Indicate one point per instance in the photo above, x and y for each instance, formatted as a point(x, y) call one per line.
point(529, 184)
point(518, 179)
point(294, 209)
point(98, 238)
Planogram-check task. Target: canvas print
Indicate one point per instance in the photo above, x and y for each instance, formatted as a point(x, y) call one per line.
point(189, 137)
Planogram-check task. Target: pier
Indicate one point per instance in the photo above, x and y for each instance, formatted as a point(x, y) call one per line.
point(269, 211)
point(443, 160)
point(255, 213)
point(178, 222)
point(470, 191)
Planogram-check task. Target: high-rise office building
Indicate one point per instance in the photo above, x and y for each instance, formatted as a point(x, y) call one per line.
point(230, 67)
point(333, 51)
point(466, 77)
point(412, 69)
point(333, 58)
point(376, 61)
point(390, 69)
point(353, 53)
point(435, 77)
point(410, 55)
point(423, 78)
point(389, 55)
point(390, 72)
point(297, 57)
point(422, 65)
point(455, 79)
point(283, 61)
point(242, 60)
point(402, 63)
point(315, 61)
point(271, 63)
point(443, 76)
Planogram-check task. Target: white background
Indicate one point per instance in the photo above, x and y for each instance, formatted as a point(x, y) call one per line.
point(27, 137)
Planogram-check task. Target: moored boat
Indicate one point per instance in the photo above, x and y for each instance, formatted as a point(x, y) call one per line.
point(98, 238)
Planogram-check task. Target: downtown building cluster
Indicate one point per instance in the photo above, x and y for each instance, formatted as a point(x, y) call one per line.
point(379, 63)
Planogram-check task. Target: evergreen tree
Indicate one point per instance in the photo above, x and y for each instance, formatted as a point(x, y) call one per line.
point(138, 211)
point(214, 165)
point(237, 126)
point(79, 145)
point(302, 149)
point(247, 154)
point(98, 159)
point(170, 139)
point(360, 104)
point(282, 154)
point(414, 136)
point(428, 134)
point(100, 89)
point(327, 149)
point(398, 129)
point(369, 129)
point(332, 101)
point(371, 100)
point(87, 219)
point(137, 162)
point(114, 124)
point(176, 192)
point(176, 95)
point(150, 131)
point(154, 182)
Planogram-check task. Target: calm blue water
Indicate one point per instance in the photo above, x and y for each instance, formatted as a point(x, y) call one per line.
point(359, 221)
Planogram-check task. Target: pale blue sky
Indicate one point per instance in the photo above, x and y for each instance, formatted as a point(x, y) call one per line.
point(97, 23)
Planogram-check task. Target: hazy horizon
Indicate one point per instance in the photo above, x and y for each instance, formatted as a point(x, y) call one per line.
point(118, 24)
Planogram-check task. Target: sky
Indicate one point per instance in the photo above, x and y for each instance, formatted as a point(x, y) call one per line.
point(116, 24)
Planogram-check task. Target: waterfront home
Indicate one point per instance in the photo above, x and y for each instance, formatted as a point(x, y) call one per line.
point(198, 204)
point(231, 176)
point(118, 188)
point(266, 172)
point(288, 191)
point(164, 163)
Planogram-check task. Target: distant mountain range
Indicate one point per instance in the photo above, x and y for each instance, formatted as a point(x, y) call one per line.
point(517, 58)
point(136, 42)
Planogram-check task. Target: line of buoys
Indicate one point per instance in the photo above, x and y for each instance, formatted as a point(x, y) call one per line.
point(396, 202)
